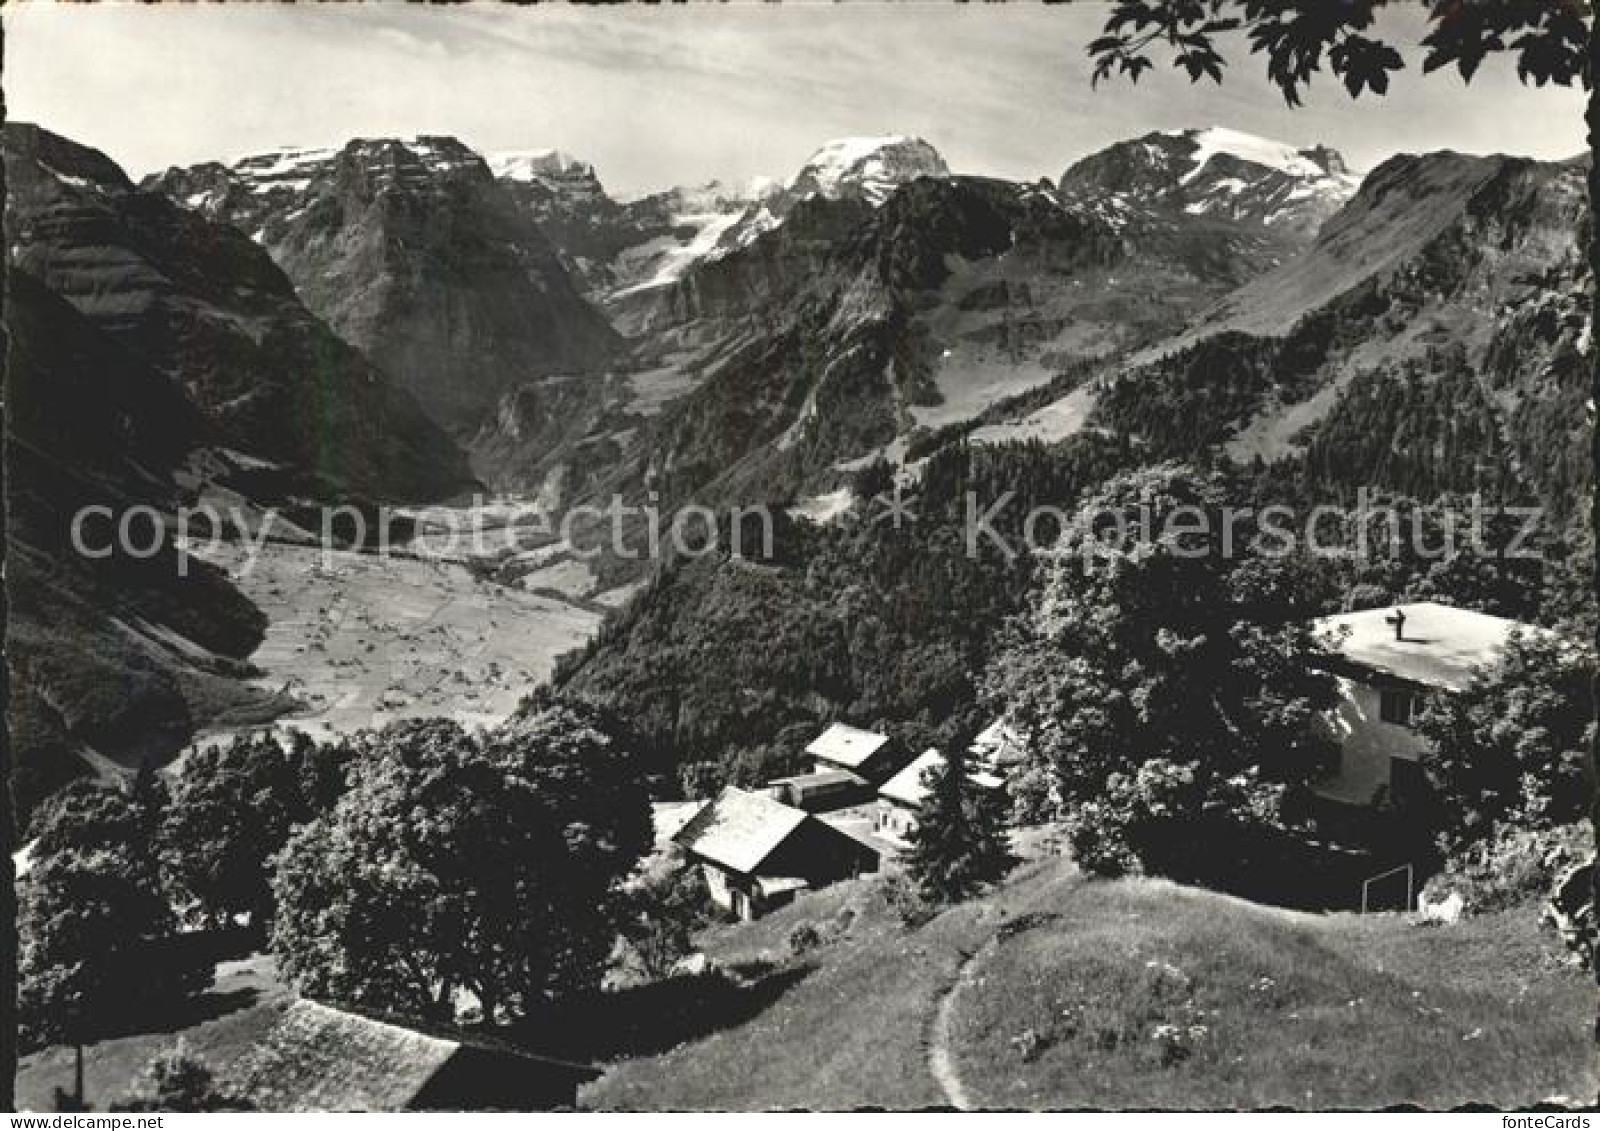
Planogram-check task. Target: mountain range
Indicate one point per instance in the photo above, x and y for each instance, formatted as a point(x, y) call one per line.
point(407, 320)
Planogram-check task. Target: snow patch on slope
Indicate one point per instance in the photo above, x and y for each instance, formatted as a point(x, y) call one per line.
point(1248, 147)
point(537, 165)
point(869, 167)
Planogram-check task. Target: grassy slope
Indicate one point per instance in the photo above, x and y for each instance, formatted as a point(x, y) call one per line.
point(1299, 1010)
point(1358, 1013)
point(849, 1033)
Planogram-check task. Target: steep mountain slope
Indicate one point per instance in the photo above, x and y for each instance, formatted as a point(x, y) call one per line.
point(118, 654)
point(200, 303)
point(1216, 172)
point(564, 198)
point(622, 252)
point(413, 251)
point(1011, 289)
point(617, 248)
point(843, 323)
point(718, 278)
point(869, 168)
point(1431, 340)
point(1224, 202)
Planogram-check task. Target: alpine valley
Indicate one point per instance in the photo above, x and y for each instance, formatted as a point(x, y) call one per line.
point(408, 322)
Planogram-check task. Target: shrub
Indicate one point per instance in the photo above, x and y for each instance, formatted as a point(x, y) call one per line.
point(803, 939)
point(1510, 868)
point(905, 899)
point(176, 1081)
point(668, 908)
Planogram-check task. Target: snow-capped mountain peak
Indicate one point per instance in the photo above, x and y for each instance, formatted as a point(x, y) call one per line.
point(1276, 155)
point(867, 167)
point(538, 164)
point(1218, 172)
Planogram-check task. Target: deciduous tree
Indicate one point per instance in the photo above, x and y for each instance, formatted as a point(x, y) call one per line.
point(1511, 749)
point(1159, 637)
point(94, 927)
point(456, 866)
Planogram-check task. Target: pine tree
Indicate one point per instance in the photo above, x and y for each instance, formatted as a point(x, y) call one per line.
point(959, 843)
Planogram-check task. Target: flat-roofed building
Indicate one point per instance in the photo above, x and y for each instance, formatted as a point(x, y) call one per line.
point(1387, 661)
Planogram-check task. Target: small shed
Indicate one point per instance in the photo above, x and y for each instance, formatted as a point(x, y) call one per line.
point(820, 791)
point(867, 754)
point(318, 1058)
point(757, 853)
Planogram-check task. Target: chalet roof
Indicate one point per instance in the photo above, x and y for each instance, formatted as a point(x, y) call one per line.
point(1000, 742)
point(907, 786)
point(322, 1059)
point(740, 829)
point(1440, 646)
point(319, 1058)
point(845, 745)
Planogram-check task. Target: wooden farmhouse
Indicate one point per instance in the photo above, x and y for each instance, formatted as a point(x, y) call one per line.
point(900, 799)
point(318, 1058)
point(870, 757)
point(1387, 660)
point(757, 853)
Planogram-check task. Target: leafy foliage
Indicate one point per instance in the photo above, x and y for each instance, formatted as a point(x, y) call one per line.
point(1548, 39)
point(456, 865)
point(667, 908)
point(176, 1080)
point(1166, 671)
point(1510, 868)
point(94, 926)
point(1512, 748)
point(233, 807)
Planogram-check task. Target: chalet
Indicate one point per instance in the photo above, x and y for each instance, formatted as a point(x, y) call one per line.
point(757, 853)
point(900, 799)
point(318, 1058)
point(869, 756)
point(1387, 660)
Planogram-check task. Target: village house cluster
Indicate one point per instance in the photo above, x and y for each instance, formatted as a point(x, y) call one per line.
point(759, 848)
point(857, 805)
point(860, 800)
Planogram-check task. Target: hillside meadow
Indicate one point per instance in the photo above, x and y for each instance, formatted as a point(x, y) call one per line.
point(1130, 994)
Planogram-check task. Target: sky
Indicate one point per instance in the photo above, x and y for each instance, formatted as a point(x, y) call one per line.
point(656, 96)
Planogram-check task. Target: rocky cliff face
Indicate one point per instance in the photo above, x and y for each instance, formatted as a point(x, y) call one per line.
point(1224, 204)
point(114, 658)
point(865, 168)
point(564, 199)
point(1215, 172)
point(845, 322)
point(199, 303)
point(413, 251)
point(852, 175)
